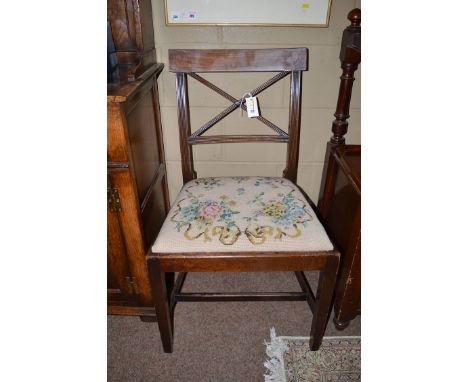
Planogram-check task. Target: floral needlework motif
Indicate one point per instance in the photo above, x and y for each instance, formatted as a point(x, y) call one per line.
point(278, 216)
point(203, 217)
point(240, 179)
point(266, 180)
point(208, 183)
point(242, 213)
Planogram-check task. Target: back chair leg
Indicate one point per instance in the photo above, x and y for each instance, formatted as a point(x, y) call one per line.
point(159, 286)
point(323, 301)
point(170, 279)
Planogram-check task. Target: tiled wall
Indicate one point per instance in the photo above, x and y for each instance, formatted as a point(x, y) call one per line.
point(320, 89)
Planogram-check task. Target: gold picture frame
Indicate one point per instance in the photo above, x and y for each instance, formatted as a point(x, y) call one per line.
point(239, 4)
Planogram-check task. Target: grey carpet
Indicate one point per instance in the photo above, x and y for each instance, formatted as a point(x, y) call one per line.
point(221, 341)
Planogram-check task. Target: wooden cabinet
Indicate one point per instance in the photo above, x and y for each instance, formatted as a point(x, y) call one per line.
point(340, 190)
point(137, 190)
point(131, 37)
point(340, 209)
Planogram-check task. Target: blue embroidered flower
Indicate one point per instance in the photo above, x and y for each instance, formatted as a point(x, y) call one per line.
point(207, 218)
point(289, 212)
point(284, 211)
point(264, 180)
point(209, 183)
point(240, 179)
point(203, 212)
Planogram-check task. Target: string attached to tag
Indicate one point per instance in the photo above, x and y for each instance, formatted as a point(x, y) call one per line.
point(251, 105)
point(242, 102)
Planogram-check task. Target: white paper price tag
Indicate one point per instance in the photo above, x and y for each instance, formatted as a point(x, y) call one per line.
point(252, 107)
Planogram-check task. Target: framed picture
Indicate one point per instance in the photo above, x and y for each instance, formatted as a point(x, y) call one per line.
point(300, 13)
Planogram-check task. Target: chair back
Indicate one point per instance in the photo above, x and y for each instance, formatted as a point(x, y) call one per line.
point(190, 62)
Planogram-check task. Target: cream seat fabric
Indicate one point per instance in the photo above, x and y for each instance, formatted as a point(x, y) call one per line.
point(228, 214)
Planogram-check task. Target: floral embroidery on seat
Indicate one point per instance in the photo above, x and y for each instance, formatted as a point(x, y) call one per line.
point(267, 180)
point(285, 211)
point(240, 179)
point(208, 183)
point(271, 210)
point(240, 214)
point(207, 218)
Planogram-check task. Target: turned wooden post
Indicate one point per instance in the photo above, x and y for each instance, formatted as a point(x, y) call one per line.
point(188, 171)
point(350, 57)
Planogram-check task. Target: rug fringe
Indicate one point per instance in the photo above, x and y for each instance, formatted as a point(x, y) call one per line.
point(275, 364)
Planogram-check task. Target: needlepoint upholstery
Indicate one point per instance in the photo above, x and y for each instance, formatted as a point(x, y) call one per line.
point(228, 214)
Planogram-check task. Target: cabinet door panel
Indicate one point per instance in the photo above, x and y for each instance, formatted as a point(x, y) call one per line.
point(142, 136)
point(343, 208)
point(154, 211)
point(117, 266)
point(117, 262)
point(136, 169)
point(131, 231)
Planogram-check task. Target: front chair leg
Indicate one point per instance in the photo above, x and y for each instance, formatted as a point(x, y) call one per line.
point(161, 303)
point(323, 301)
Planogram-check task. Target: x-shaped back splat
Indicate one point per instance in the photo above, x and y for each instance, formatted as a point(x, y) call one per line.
point(286, 61)
point(195, 137)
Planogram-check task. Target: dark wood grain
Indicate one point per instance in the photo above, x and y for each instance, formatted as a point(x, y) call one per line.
point(162, 174)
point(350, 57)
point(348, 158)
point(301, 278)
point(316, 256)
point(155, 209)
point(236, 139)
point(240, 262)
point(131, 24)
point(325, 289)
point(116, 136)
point(245, 296)
point(161, 302)
point(144, 145)
point(130, 310)
point(341, 214)
point(188, 172)
point(340, 124)
point(237, 60)
point(117, 263)
point(125, 92)
point(348, 289)
point(131, 225)
point(294, 127)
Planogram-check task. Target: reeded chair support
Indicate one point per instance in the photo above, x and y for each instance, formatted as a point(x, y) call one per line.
point(284, 251)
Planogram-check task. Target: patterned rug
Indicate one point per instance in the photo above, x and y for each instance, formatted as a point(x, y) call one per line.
point(290, 360)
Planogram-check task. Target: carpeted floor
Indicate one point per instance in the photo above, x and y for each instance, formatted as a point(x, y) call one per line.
point(213, 341)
